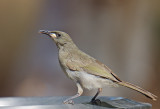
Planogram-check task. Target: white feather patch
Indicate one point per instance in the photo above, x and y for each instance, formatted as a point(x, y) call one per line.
point(90, 81)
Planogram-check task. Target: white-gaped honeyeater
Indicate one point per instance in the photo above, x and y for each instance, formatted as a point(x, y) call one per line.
point(84, 70)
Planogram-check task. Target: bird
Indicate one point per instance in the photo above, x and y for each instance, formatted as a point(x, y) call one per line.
point(86, 71)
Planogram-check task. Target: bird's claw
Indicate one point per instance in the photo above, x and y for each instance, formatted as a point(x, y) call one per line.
point(68, 102)
point(95, 101)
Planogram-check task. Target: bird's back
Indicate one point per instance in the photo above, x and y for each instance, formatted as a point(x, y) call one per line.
point(80, 61)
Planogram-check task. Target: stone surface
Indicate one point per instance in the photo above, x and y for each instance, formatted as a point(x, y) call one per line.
point(82, 102)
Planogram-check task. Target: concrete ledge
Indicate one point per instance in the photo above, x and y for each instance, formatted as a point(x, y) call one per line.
point(82, 102)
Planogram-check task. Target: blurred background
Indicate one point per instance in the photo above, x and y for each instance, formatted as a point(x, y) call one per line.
point(123, 34)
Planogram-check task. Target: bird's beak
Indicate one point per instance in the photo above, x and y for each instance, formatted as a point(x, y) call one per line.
point(44, 32)
point(49, 33)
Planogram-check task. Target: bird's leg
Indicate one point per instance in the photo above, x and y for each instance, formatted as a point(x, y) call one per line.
point(79, 93)
point(94, 98)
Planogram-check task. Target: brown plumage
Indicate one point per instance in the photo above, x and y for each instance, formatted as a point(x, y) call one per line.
point(84, 70)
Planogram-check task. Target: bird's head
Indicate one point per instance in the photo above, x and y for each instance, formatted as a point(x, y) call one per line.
point(60, 38)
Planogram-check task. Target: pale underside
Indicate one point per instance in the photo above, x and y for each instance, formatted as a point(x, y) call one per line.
point(90, 81)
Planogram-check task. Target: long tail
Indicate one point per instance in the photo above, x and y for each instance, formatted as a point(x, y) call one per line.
point(137, 88)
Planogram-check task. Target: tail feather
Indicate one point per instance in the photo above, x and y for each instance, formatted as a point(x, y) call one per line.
point(139, 89)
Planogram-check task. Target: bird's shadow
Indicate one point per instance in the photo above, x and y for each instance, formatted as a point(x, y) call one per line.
point(98, 102)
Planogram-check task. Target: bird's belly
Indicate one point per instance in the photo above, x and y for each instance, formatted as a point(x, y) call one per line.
point(90, 81)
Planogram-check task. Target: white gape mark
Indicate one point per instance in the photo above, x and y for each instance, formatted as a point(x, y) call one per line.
point(53, 35)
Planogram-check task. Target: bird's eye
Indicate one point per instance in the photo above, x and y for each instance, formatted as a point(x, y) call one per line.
point(59, 35)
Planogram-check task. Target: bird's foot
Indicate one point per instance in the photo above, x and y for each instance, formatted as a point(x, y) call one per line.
point(96, 102)
point(68, 102)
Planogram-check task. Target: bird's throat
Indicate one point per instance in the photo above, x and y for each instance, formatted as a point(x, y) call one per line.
point(67, 46)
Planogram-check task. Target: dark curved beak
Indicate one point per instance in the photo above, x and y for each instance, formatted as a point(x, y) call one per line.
point(45, 32)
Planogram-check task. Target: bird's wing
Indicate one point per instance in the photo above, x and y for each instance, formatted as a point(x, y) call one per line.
point(95, 68)
point(99, 69)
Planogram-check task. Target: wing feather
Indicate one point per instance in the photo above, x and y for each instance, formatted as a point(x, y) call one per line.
point(95, 68)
